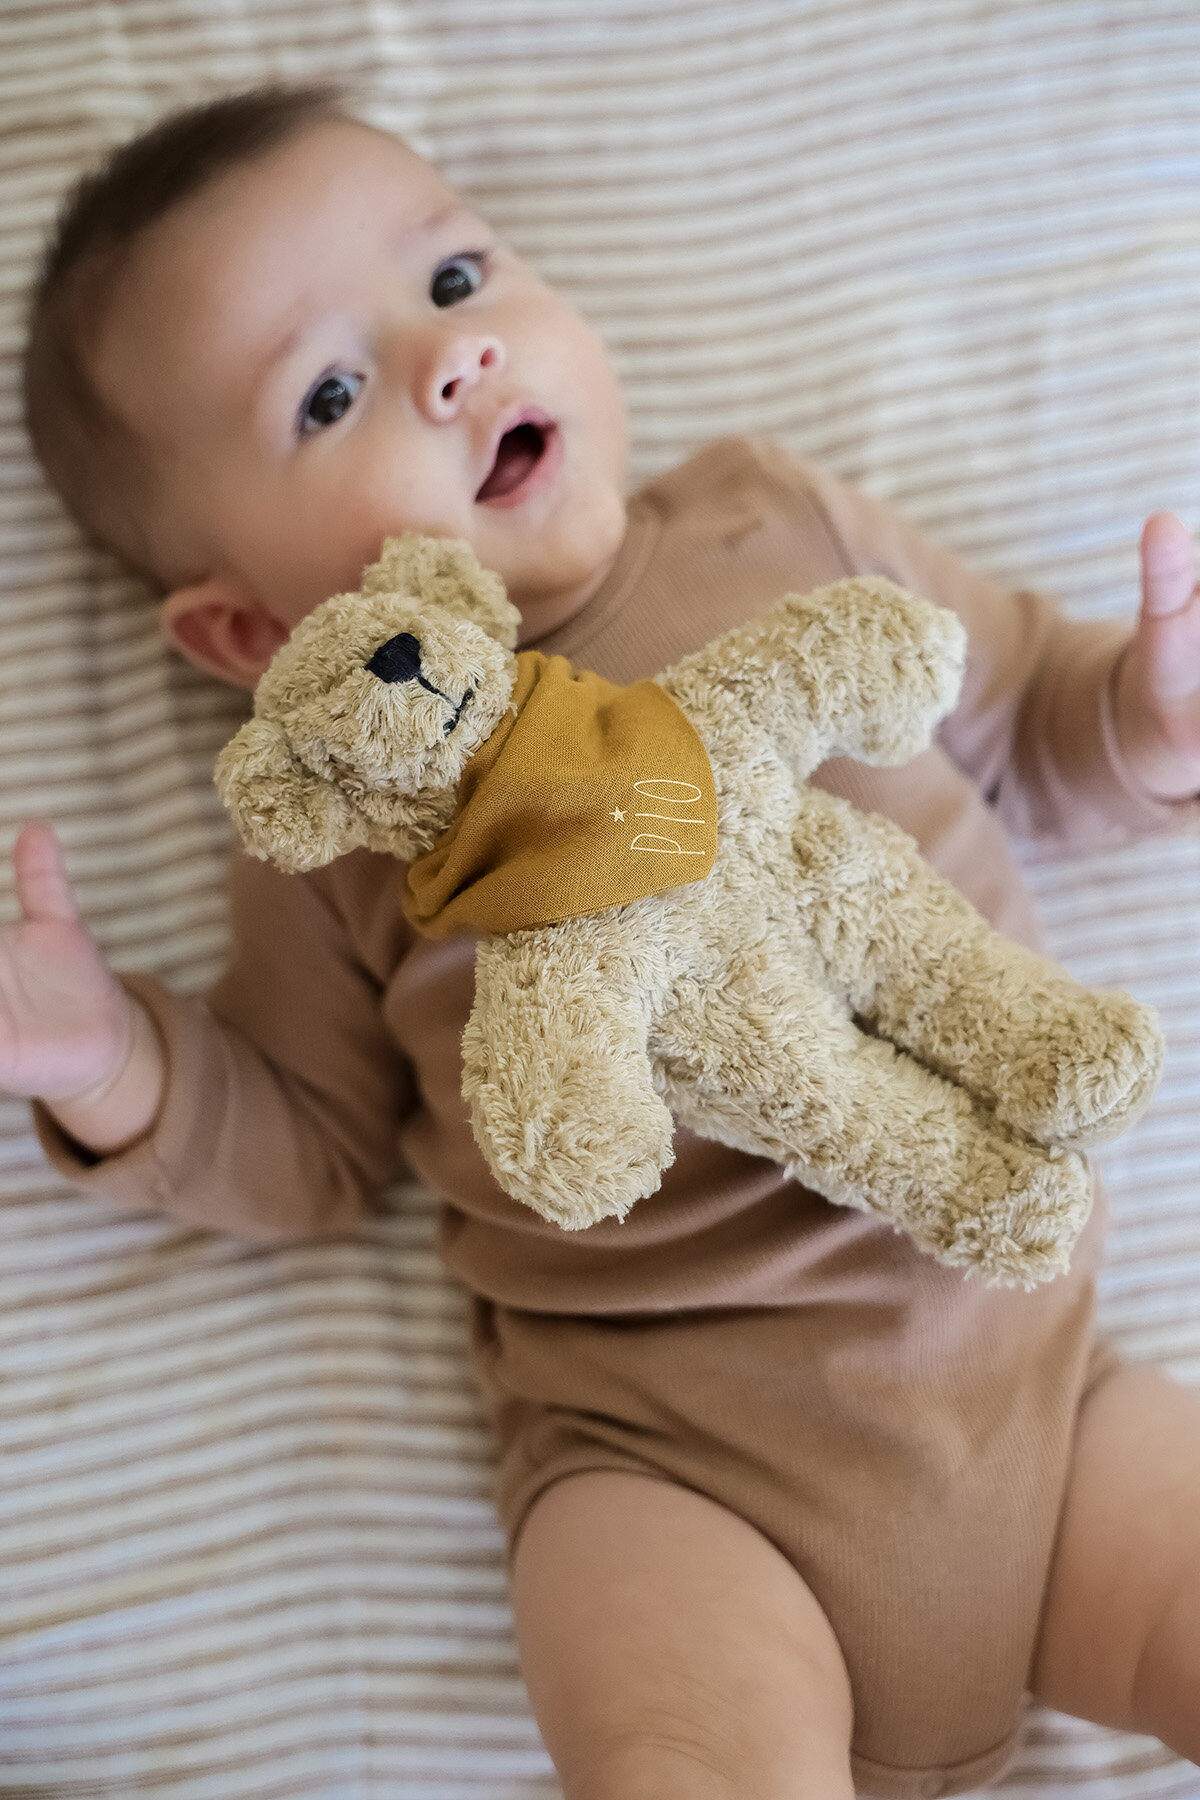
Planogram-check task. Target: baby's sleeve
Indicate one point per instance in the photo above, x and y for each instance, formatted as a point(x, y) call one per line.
point(284, 1091)
point(1033, 727)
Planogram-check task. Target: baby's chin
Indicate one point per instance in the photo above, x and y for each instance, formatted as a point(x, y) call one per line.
point(548, 608)
point(570, 552)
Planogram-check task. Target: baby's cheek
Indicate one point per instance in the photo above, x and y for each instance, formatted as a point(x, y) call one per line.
point(346, 531)
point(601, 394)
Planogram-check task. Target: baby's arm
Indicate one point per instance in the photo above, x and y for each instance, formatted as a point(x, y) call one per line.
point(278, 1097)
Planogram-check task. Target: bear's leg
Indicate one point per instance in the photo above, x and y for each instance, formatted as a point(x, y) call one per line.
point(769, 1063)
point(1062, 1063)
point(556, 1072)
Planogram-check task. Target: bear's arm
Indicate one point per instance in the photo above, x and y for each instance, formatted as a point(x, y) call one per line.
point(284, 1092)
point(1033, 725)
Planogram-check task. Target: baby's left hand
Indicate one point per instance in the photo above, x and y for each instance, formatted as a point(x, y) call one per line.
point(1158, 680)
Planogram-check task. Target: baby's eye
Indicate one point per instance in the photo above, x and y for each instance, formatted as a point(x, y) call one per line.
point(327, 401)
point(458, 278)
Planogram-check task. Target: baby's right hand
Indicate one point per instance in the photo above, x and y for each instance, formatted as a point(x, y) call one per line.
point(69, 1033)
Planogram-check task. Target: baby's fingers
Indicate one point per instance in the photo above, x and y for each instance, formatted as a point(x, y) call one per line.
point(1168, 561)
point(43, 890)
point(1167, 649)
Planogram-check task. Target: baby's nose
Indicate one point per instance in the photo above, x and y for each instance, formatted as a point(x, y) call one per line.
point(399, 659)
point(458, 363)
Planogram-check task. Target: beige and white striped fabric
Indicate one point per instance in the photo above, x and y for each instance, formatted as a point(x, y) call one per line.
point(952, 247)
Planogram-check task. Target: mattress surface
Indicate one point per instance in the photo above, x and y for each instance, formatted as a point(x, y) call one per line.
point(950, 248)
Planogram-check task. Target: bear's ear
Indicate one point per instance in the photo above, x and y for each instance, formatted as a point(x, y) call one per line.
point(284, 813)
point(446, 575)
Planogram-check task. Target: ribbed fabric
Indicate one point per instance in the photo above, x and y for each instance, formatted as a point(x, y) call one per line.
point(907, 1458)
point(950, 250)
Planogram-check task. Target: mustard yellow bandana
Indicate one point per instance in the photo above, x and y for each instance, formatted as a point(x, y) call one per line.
point(585, 796)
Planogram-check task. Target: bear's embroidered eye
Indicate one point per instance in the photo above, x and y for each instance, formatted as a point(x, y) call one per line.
point(327, 402)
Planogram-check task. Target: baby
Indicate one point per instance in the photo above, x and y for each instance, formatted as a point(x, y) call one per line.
point(790, 1507)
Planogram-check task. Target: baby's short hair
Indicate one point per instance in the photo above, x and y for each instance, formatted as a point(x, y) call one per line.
point(90, 455)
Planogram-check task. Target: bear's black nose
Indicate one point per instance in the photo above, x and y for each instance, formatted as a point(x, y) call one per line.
point(397, 660)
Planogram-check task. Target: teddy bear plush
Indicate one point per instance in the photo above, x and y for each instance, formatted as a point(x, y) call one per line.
point(673, 927)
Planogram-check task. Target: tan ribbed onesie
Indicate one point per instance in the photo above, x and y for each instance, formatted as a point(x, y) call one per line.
point(900, 1433)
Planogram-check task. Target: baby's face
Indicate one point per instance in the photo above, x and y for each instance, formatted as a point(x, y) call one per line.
point(327, 347)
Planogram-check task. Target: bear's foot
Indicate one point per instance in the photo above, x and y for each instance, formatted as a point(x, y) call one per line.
point(575, 1157)
point(1089, 1070)
point(1023, 1233)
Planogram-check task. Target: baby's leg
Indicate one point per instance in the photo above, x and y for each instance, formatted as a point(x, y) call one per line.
point(1120, 1641)
point(671, 1652)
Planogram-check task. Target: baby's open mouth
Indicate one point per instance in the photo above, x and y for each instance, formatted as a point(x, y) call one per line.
point(517, 455)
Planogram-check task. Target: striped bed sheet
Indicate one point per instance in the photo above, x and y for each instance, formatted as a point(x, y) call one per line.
point(952, 248)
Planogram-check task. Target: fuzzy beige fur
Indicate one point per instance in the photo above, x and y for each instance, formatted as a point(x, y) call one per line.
point(823, 998)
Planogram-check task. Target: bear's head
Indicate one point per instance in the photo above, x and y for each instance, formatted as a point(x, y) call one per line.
point(368, 714)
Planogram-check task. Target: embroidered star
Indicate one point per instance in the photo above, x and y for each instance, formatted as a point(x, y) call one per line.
point(618, 815)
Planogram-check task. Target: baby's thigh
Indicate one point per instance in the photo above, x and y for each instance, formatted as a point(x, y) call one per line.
point(670, 1650)
point(1120, 1639)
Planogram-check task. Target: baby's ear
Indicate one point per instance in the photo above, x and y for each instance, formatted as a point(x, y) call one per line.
point(221, 627)
point(284, 813)
point(445, 574)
